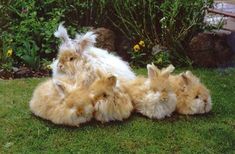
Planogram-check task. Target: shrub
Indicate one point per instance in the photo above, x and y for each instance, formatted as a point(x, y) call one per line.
point(28, 26)
point(31, 34)
point(167, 23)
point(82, 13)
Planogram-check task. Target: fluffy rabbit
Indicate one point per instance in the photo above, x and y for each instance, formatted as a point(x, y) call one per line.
point(153, 96)
point(71, 64)
point(56, 100)
point(110, 102)
point(83, 45)
point(192, 96)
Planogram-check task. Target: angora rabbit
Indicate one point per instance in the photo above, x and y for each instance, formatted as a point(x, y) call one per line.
point(56, 100)
point(110, 102)
point(83, 45)
point(73, 65)
point(153, 96)
point(192, 96)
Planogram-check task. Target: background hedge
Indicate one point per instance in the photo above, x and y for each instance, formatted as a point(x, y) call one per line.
point(27, 27)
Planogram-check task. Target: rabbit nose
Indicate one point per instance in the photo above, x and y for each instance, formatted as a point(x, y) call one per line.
point(60, 66)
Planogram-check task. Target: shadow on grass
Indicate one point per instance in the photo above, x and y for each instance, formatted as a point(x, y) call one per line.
point(93, 123)
point(175, 117)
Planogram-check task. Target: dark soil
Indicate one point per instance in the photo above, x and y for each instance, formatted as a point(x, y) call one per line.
point(23, 72)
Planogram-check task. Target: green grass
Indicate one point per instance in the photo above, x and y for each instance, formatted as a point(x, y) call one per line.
point(22, 132)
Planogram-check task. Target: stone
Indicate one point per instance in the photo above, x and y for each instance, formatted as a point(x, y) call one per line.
point(157, 49)
point(22, 71)
point(105, 38)
point(210, 50)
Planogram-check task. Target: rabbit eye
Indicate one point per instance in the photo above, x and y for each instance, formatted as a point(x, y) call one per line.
point(205, 100)
point(104, 95)
point(71, 58)
point(197, 97)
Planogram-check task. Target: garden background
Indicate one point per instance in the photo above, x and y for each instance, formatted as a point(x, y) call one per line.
point(165, 27)
point(159, 31)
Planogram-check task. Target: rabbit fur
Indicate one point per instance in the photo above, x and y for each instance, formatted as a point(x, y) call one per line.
point(192, 96)
point(67, 101)
point(153, 96)
point(56, 100)
point(89, 82)
point(110, 101)
point(83, 45)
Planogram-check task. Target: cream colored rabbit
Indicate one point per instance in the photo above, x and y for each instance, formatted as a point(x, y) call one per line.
point(83, 46)
point(56, 100)
point(74, 65)
point(110, 101)
point(153, 96)
point(192, 96)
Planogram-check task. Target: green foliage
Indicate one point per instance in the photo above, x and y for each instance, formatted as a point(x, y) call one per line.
point(139, 54)
point(30, 25)
point(81, 13)
point(181, 21)
point(45, 64)
point(31, 31)
point(168, 23)
point(137, 19)
point(161, 58)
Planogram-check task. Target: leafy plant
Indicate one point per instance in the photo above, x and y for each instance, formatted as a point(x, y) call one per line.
point(138, 54)
point(30, 25)
point(167, 23)
point(31, 32)
point(137, 19)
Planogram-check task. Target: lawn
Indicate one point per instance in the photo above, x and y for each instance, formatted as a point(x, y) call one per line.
point(22, 132)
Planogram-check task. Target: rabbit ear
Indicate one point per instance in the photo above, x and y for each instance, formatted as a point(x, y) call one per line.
point(152, 73)
point(85, 41)
point(186, 79)
point(170, 68)
point(62, 33)
point(62, 87)
point(112, 80)
point(156, 68)
point(189, 73)
point(167, 71)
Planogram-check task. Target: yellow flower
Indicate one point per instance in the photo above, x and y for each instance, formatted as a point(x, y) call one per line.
point(49, 67)
point(159, 61)
point(141, 43)
point(9, 52)
point(136, 48)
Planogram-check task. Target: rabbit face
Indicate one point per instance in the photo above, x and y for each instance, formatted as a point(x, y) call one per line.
point(71, 52)
point(76, 99)
point(158, 79)
point(103, 88)
point(109, 101)
point(160, 100)
point(194, 97)
point(81, 103)
point(201, 101)
point(68, 62)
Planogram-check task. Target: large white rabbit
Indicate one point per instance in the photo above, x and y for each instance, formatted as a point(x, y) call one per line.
point(100, 59)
